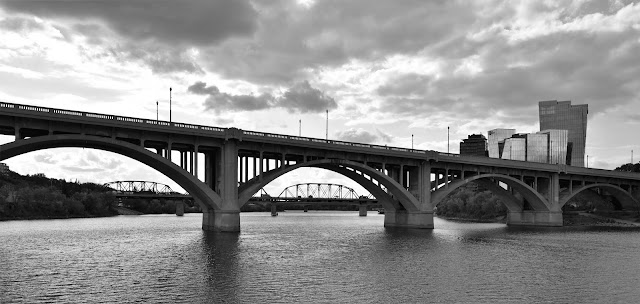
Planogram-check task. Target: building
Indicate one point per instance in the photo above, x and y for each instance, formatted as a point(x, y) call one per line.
point(549, 146)
point(496, 136)
point(561, 115)
point(474, 145)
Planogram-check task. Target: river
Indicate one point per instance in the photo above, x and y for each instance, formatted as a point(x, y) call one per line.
point(314, 257)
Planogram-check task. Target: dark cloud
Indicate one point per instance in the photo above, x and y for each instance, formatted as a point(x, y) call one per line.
point(596, 69)
point(45, 158)
point(331, 33)
point(185, 22)
point(300, 98)
point(363, 136)
point(303, 98)
point(19, 24)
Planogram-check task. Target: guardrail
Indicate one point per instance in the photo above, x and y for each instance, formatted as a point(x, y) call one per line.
point(205, 128)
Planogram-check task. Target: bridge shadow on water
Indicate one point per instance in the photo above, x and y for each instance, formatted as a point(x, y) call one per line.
point(220, 254)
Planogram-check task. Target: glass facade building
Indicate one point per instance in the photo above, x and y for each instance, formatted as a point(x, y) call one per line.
point(495, 137)
point(558, 142)
point(538, 147)
point(561, 115)
point(515, 148)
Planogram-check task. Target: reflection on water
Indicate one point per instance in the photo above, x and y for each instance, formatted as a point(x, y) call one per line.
point(318, 257)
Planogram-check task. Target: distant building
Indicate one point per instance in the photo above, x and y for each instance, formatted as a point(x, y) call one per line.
point(474, 145)
point(549, 146)
point(561, 115)
point(4, 169)
point(497, 136)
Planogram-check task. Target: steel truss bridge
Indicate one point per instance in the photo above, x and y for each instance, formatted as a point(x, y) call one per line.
point(144, 189)
point(315, 193)
point(222, 168)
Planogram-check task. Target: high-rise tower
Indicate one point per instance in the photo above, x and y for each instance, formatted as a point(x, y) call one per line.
point(561, 115)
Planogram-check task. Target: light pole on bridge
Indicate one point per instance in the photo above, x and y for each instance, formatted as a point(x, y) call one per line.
point(157, 115)
point(411, 141)
point(327, 124)
point(170, 104)
point(448, 140)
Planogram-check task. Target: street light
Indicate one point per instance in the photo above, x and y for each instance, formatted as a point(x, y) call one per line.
point(170, 104)
point(327, 124)
point(300, 127)
point(448, 139)
point(411, 141)
point(157, 116)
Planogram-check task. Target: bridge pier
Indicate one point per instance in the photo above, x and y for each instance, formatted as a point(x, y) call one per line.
point(362, 211)
point(408, 219)
point(535, 218)
point(180, 208)
point(221, 220)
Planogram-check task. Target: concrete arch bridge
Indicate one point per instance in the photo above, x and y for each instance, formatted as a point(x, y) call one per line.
point(222, 168)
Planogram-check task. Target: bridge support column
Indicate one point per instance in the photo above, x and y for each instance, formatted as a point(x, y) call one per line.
point(221, 220)
point(362, 211)
point(408, 219)
point(180, 208)
point(535, 218)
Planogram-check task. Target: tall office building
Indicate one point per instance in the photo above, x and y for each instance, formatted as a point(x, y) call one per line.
point(474, 145)
point(495, 137)
point(561, 115)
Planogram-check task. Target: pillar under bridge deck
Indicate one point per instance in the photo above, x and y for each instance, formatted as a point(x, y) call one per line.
point(408, 219)
point(221, 220)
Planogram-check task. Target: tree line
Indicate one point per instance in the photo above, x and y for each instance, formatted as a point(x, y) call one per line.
point(36, 196)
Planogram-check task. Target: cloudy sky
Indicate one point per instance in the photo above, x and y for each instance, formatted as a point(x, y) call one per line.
point(384, 69)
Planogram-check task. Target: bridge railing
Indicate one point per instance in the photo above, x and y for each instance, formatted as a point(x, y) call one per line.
point(201, 127)
point(109, 117)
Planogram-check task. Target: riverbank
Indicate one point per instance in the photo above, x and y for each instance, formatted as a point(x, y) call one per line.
point(570, 219)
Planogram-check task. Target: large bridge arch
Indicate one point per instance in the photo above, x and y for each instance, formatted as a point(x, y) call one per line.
point(202, 194)
point(535, 199)
point(397, 197)
point(627, 201)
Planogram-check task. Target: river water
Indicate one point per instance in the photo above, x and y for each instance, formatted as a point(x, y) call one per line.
point(314, 257)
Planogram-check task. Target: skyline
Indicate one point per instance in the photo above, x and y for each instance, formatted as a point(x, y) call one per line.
point(395, 74)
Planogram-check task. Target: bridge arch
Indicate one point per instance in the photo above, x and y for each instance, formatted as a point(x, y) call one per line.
point(535, 199)
point(202, 194)
point(626, 200)
point(397, 197)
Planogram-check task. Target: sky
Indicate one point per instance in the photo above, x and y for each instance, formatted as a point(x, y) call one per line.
point(389, 72)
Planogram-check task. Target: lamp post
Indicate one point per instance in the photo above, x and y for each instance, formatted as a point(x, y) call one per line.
point(299, 127)
point(170, 104)
point(157, 115)
point(587, 161)
point(447, 139)
point(327, 124)
point(411, 141)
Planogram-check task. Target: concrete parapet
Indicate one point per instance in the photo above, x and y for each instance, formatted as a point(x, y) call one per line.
point(408, 219)
point(535, 218)
point(221, 220)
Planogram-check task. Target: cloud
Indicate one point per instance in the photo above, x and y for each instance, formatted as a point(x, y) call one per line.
point(19, 24)
point(45, 158)
point(362, 136)
point(85, 170)
point(300, 98)
point(185, 22)
point(303, 98)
